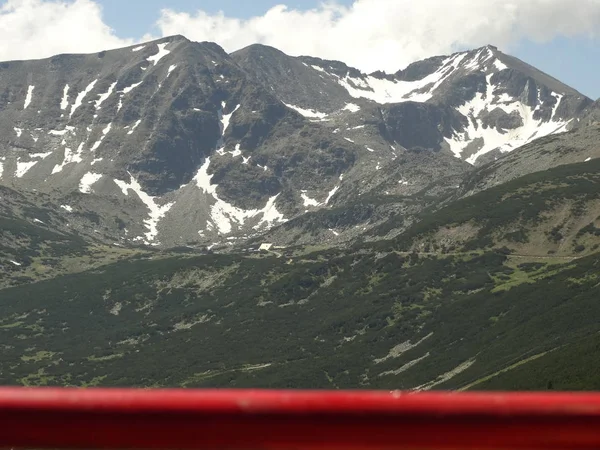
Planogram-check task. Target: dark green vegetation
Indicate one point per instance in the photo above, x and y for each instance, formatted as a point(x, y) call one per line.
point(460, 301)
point(327, 320)
point(33, 250)
point(552, 212)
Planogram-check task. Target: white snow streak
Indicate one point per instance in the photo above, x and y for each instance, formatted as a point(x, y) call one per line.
point(137, 49)
point(81, 96)
point(331, 194)
point(504, 140)
point(307, 112)
point(19, 131)
point(157, 211)
point(40, 155)
point(130, 88)
point(135, 125)
point(395, 91)
point(105, 95)
point(69, 157)
point(67, 208)
point(224, 215)
point(99, 141)
point(58, 132)
point(64, 103)
point(29, 96)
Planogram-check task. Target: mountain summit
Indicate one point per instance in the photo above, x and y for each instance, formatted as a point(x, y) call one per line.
point(174, 142)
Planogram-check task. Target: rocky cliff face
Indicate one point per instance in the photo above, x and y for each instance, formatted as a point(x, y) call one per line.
point(174, 142)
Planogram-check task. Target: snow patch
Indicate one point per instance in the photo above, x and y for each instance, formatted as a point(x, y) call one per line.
point(67, 208)
point(157, 211)
point(226, 118)
point(309, 201)
point(162, 52)
point(40, 155)
point(349, 140)
point(99, 141)
point(171, 69)
point(19, 131)
point(500, 65)
point(64, 103)
point(131, 88)
point(29, 96)
point(23, 168)
point(137, 49)
point(352, 107)
point(397, 91)
point(331, 194)
point(104, 96)
point(237, 151)
point(224, 215)
point(135, 125)
point(503, 140)
point(58, 132)
point(69, 157)
point(307, 112)
point(86, 182)
point(81, 96)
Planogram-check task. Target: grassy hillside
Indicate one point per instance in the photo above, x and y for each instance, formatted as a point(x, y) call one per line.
point(322, 320)
point(556, 212)
point(488, 293)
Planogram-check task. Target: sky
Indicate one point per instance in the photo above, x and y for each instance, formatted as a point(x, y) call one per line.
point(560, 37)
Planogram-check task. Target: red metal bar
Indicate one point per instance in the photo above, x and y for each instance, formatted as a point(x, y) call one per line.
point(296, 420)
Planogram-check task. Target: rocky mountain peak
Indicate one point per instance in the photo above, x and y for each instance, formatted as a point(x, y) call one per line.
point(184, 143)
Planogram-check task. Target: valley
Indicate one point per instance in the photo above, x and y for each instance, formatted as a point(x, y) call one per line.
point(259, 220)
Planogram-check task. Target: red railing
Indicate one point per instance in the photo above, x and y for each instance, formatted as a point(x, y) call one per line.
point(298, 420)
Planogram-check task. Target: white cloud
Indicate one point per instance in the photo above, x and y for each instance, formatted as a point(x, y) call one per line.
point(41, 28)
point(370, 34)
point(389, 34)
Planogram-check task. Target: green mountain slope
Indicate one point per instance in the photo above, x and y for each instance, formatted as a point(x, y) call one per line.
point(544, 213)
point(453, 303)
point(325, 320)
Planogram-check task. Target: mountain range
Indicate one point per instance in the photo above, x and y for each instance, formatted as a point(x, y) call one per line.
point(400, 218)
